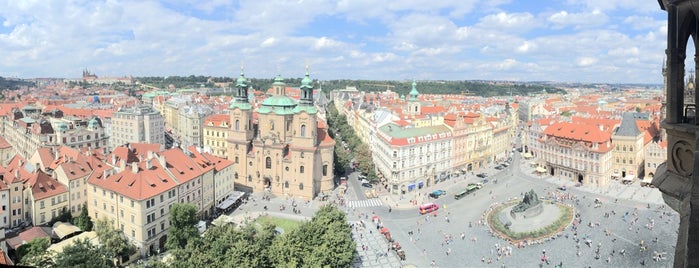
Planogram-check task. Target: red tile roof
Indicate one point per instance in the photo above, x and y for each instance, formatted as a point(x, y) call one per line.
point(181, 166)
point(26, 236)
point(208, 161)
point(578, 132)
point(4, 144)
point(43, 186)
point(144, 184)
point(217, 120)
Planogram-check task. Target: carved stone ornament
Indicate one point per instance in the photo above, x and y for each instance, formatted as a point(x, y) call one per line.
point(683, 158)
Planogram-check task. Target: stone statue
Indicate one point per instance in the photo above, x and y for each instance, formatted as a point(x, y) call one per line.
point(530, 200)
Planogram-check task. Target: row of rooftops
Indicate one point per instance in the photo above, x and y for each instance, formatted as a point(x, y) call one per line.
point(138, 171)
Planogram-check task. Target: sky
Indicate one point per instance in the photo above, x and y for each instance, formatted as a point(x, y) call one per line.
point(608, 41)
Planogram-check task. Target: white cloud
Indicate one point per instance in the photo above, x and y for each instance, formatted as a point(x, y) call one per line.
point(509, 22)
point(450, 39)
point(585, 61)
point(578, 20)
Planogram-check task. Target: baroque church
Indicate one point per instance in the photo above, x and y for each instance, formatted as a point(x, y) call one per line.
point(280, 147)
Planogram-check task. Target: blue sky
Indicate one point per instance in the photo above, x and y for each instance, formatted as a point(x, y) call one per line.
point(522, 40)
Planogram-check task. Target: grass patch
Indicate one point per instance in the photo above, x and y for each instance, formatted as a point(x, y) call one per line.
point(286, 224)
point(565, 218)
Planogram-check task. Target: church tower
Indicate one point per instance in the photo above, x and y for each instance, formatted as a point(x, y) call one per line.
point(242, 129)
point(306, 115)
point(413, 102)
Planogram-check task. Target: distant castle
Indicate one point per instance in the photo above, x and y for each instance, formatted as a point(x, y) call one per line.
point(92, 78)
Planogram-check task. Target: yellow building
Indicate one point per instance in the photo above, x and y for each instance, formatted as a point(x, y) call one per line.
point(46, 198)
point(215, 129)
point(628, 153)
point(287, 151)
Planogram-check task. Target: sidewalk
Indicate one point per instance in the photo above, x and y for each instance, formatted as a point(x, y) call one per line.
point(614, 190)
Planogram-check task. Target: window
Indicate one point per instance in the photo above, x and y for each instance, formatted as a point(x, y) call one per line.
point(301, 186)
point(301, 169)
point(42, 206)
point(325, 170)
point(286, 184)
point(271, 125)
point(237, 124)
point(303, 130)
point(236, 160)
point(268, 163)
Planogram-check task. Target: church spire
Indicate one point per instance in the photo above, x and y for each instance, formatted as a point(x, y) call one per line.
point(306, 90)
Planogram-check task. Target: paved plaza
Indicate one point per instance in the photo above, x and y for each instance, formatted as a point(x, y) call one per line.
point(608, 235)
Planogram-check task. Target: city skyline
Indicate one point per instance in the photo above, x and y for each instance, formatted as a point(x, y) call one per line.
point(566, 41)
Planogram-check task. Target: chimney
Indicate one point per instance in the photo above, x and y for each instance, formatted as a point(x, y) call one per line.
point(134, 167)
point(150, 154)
point(105, 173)
point(56, 155)
point(113, 160)
point(17, 173)
point(161, 160)
point(122, 164)
point(149, 164)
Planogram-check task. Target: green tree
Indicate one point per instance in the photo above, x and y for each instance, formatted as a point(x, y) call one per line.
point(325, 241)
point(83, 221)
point(114, 242)
point(82, 253)
point(183, 218)
point(35, 253)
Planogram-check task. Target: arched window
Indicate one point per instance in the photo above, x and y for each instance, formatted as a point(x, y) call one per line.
point(268, 162)
point(301, 169)
point(325, 170)
point(237, 124)
point(249, 177)
point(235, 176)
point(301, 186)
point(286, 184)
point(303, 130)
point(236, 160)
point(88, 137)
point(271, 125)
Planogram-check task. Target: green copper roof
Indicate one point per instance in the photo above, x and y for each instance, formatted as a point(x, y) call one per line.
point(396, 131)
point(240, 105)
point(277, 104)
point(278, 80)
point(279, 101)
point(309, 109)
point(241, 82)
point(306, 82)
point(413, 92)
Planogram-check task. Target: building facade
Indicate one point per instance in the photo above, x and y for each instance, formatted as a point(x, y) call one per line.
point(283, 152)
point(215, 130)
point(579, 152)
point(413, 158)
point(138, 124)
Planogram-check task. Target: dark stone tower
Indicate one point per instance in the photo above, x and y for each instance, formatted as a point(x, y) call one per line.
point(676, 179)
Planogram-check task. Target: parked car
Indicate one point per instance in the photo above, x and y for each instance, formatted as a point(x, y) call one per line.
point(506, 164)
point(367, 185)
point(484, 181)
point(482, 175)
point(499, 167)
point(437, 193)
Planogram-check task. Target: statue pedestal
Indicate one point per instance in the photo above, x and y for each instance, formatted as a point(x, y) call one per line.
point(528, 213)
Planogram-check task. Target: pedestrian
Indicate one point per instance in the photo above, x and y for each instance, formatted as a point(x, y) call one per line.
point(433, 264)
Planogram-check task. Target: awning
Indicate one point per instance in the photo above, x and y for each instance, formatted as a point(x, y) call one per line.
point(91, 237)
point(629, 178)
point(411, 186)
point(420, 183)
point(615, 174)
point(527, 155)
point(384, 230)
point(63, 229)
point(235, 196)
point(540, 169)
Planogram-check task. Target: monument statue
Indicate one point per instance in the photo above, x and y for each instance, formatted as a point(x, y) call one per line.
point(530, 200)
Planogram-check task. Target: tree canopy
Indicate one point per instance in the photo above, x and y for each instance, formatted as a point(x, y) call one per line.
point(83, 221)
point(34, 253)
point(114, 242)
point(82, 253)
point(183, 218)
point(325, 241)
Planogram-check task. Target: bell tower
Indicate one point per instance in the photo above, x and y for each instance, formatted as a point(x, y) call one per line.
point(676, 178)
point(241, 130)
